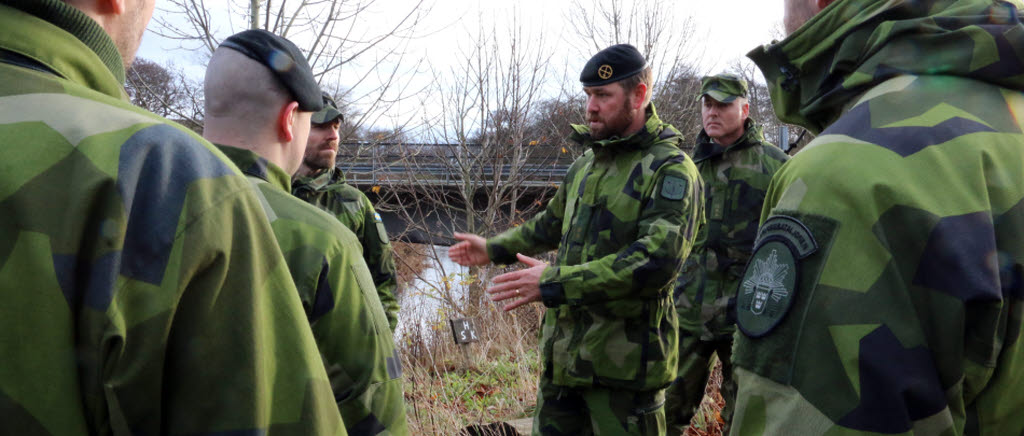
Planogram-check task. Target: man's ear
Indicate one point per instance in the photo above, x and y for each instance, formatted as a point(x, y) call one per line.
point(638, 94)
point(286, 121)
point(746, 110)
point(115, 7)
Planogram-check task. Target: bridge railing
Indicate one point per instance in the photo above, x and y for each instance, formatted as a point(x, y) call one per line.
point(444, 165)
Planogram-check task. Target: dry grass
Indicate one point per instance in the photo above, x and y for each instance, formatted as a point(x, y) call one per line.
point(448, 386)
point(708, 419)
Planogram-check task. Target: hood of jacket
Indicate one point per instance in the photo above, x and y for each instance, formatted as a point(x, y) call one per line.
point(853, 45)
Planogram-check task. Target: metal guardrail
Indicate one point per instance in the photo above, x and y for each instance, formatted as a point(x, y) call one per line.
point(439, 165)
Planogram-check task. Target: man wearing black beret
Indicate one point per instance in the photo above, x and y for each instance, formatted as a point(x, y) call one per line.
point(623, 221)
point(260, 98)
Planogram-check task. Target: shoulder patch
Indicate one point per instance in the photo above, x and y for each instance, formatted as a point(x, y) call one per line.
point(769, 282)
point(673, 188)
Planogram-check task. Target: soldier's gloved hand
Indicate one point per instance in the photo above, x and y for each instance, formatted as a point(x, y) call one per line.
point(523, 285)
point(472, 251)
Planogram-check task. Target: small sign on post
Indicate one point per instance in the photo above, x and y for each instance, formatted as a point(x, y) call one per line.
point(463, 331)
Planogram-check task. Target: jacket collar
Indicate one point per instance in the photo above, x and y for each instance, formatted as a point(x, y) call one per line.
point(255, 165)
point(706, 148)
point(65, 40)
point(653, 127)
point(318, 180)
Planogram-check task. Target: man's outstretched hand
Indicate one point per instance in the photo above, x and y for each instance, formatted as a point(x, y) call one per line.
point(470, 251)
point(523, 285)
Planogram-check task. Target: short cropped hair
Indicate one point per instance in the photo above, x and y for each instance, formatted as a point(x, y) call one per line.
point(646, 77)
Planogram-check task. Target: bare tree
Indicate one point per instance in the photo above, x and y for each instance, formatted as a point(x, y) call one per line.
point(164, 91)
point(483, 169)
point(669, 42)
point(345, 51)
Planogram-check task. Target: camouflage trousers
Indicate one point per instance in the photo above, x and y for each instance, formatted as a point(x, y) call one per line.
point(685, 394)
point(597, 411)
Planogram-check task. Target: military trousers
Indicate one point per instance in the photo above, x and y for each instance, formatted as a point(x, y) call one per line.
point(685, 394)
point(597, 411)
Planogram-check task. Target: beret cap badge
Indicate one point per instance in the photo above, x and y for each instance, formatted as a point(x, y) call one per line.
point(605, 72)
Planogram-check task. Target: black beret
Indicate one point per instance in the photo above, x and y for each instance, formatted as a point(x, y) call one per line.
point(283, 59)
point(613, 64)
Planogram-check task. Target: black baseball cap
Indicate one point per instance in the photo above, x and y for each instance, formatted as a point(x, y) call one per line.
point(282, 58)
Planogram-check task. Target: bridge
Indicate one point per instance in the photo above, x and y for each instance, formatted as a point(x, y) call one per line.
point(420, 190)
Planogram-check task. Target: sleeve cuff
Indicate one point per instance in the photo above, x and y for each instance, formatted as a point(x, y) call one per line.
point(552, 294)
point(498, 254)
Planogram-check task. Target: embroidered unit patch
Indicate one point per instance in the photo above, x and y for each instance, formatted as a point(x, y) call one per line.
point(673, 188)
point(770, 280)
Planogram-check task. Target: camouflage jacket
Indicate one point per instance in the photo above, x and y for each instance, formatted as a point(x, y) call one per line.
point(623, 221)
point(329, 192)
point(138, 292)
point(885, 292)
point(735, 181)
point(339, 299)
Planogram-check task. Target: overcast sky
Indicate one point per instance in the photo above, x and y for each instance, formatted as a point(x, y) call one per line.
point(727, 30)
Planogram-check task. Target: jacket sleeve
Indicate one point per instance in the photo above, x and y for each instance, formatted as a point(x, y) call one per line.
point(896, 320)
point(379, 258)
point(355, 340)
point(666, 232)
point(236, 340)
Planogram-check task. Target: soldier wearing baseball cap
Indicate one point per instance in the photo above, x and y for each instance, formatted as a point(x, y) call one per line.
point(635, 202)
point(709, 280)
point(723, 87)
point(329, 113)
point(261, 97)
point(320, 183)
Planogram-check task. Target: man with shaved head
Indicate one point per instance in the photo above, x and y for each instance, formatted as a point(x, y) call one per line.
point(886, 289)
point(260, 95)
point(138, 293)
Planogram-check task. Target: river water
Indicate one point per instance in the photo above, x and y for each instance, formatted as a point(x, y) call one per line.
point(430, 297)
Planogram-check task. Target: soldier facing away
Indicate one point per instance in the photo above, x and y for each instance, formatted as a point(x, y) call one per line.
point(260, 95)
point(736, 164)
point(138, 292)
point(623, 220)
point(321, 184)
point(885, 291)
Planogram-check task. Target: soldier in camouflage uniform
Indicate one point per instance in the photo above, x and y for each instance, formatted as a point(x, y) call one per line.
point(138, 293)
point(321, 184)
point(623, 220)
point(736, 164)
point(245, 100)
point(885, 291)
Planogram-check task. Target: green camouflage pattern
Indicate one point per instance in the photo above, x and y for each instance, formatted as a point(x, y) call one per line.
point(723, 87)
point(612, 411)
point(736, 180)
point(340, 301)
point(328, 191)
point(138, 292)
point(623, 220)
point(906, 319)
